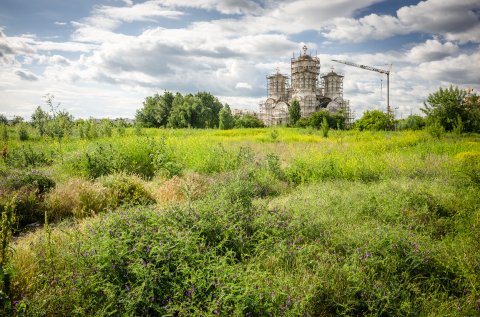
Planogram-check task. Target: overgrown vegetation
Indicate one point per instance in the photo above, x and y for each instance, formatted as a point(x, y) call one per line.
point(245, 222)
point(314, 221)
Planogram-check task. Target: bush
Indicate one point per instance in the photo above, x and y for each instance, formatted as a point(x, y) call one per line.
point(23, 132)
point(127, 189)
point(78, 198)
point(28, 188)
point(26, 156)
point(470, 165)
point(163, 160)
point(374, 120)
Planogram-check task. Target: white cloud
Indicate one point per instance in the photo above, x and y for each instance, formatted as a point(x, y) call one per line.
point(454, 20)
point(243, 86)
point(432, 50)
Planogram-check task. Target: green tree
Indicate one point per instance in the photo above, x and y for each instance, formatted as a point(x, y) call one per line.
point(40, 120)
point(3, 119)
point(17, 120)
point(447, 105)
point(60, 124)
point(412, 122)
point(226, 121)
point(315, 120)
point(294, 112)
point(324, 127)
point(248, 121)
point(374, 120)
point(156, 110)
point(210, 108)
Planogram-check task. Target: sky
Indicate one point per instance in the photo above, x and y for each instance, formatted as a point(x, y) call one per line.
point(102, 58)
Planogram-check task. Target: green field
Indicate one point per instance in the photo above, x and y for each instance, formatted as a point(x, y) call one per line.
point(245, 222)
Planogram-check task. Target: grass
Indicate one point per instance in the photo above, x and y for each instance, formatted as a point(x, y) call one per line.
point(240, 223)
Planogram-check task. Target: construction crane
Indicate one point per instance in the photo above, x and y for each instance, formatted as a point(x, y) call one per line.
point(373, 69)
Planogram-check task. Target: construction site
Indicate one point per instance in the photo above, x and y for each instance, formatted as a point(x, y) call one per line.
point(303, 85)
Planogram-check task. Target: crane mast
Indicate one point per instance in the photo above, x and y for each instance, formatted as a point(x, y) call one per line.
point(373, 69)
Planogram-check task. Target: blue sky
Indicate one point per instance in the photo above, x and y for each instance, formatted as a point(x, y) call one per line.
point(102, 58)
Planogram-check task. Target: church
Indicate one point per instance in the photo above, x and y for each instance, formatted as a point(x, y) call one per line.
point(304, 87)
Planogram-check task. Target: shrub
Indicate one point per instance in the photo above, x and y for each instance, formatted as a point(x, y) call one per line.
point(127, 189)
point(435, 128)
point(26, 156)
point(470, 165)
point(101, 161)
point(78, 198)
point(163, 160)
point(374, 120)
point(23, 132)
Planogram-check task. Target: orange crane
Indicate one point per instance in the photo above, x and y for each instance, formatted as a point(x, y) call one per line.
point(373, 69)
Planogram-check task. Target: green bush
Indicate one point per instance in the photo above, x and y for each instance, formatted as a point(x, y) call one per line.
point(127, 189)
point(164, 161)
point(23, 132)
point(26, 156)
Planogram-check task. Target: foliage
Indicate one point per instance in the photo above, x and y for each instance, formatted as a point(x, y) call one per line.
point(324, 127)
point(4, 132)
point(434, 127)
point(17, 120)
point(374, 120)
point(26, 156)
point(195, 111)
point(361, 223)
point(412, 122)
point(447, 105)
point(315, 120)
point(225, 118)
point(22, 132)
point(40, 120)
point(127, 189)
point(248, 121)
point(3, 119)
point(294, 112)
point(106, 128)
point(164, 160)
point(156, 110)
point(470, 165)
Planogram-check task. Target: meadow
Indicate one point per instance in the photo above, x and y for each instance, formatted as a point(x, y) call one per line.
point(243, 222)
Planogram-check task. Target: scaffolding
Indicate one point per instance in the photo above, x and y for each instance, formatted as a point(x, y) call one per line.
point(305, 70)
point(277, 85)
point(333, 85)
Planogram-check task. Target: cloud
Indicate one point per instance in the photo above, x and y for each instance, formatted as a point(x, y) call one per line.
point(60, 23)
point(454, 20)
point(26, 75)
point(243, 86)
point(432, 50)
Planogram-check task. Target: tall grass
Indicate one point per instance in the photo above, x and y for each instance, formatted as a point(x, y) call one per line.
point(373, 223)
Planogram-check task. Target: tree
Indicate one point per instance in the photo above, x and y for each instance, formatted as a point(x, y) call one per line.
point(315, 120)
point(3, 119)
point(210, 108)
point(294, 112)
point(156, 110)
point(17, 120)
point(324, 127)
point(40, 120)
point(448, 105)
point(412, 122)
point(248, 121)
point(225, 118)
point(374, 120)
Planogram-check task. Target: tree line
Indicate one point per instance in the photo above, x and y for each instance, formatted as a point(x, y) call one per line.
point(201, 110)
point(447, 110)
